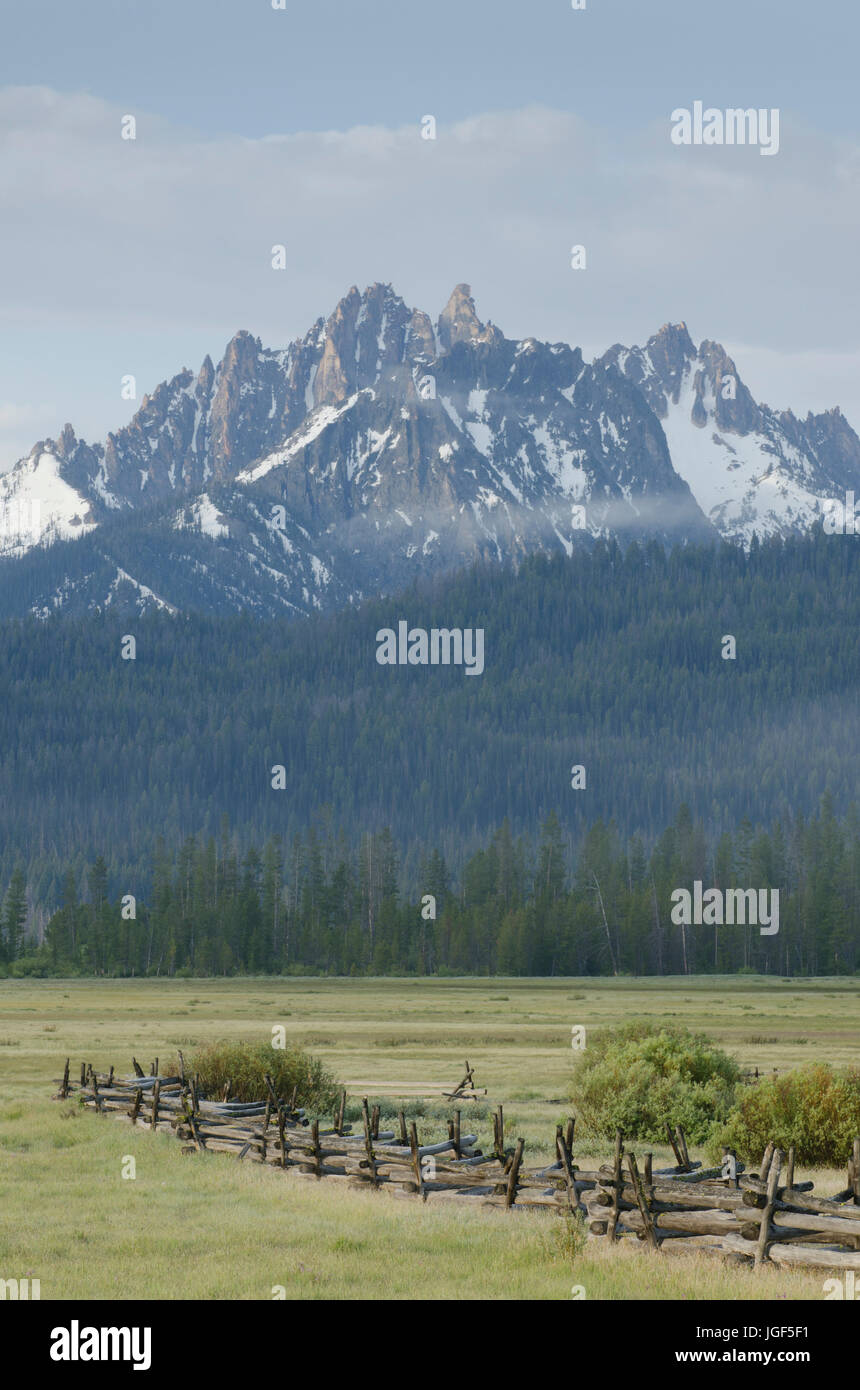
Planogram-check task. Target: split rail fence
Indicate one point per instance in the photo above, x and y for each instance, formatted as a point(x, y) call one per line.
point(750, 1218)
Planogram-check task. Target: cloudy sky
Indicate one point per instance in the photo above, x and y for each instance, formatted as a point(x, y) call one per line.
point(301, 126)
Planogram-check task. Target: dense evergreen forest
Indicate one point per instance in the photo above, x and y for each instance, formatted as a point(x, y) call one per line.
point(517, 908)
point(610, 660)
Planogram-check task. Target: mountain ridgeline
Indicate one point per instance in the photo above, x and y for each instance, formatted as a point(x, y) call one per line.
point(383, 447)
point(612, 661)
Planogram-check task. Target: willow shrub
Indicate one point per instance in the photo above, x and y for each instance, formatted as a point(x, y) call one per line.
point(816, 1108)
point(639, 1077)
point(245, 1065)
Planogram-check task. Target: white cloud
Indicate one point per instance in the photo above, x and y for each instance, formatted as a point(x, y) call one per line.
point(167, 239)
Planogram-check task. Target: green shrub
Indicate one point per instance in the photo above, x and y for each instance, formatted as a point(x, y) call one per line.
point(245, 1065)
point(640, 1076)
point(815, 1108)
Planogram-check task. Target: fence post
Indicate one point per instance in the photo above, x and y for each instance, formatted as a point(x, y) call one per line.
point(416, 1160)
point(764, 1229)
point(564, 1159)
point(368, 1142)
point(511, 1192)
point(616, 1189)
point(642, 1203)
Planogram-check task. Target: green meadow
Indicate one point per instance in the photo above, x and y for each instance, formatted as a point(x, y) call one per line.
point(203, 1226)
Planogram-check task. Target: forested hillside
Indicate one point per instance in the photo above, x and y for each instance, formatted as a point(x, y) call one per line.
point(518, 907)
point(611, 661)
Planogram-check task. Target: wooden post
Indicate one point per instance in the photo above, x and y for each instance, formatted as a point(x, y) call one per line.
point(568, 1135)
point(679, 1162)
point(135, 1109)
point(374, 1122)
point(315, 1138)
point(649, 1159)
point(338, 1124)
point(96, 1097)
point(775, 1163)
point(789, 1172)
point(510, 1194)
point(499, 1130)
point(642, 1203)
point(564, 1160)
point(457, 1153)
point(83, 1074)
point(766, 1162)
point(155, 1094)
point(416, 1160)
point(182, 1068)
point(368, 1142)
point(110, 1078)
point(192, 1123)
point(282, 1138)
point(155, 1067)
point(138, 1069)
point(616, 1190)
point(64, 1090)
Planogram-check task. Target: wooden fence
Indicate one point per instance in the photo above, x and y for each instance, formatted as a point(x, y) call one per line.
point(751, 1218)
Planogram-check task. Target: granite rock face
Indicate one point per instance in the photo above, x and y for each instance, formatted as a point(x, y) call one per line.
point(382, 446)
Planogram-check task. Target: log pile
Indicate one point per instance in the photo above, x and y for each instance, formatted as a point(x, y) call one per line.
point(751, 1218)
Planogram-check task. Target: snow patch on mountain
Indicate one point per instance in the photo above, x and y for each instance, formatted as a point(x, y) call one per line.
point(38, 506)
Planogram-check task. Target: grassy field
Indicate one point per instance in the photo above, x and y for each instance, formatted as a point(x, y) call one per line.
point(206, 1227)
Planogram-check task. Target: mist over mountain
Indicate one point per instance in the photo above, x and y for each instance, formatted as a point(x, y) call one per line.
point(383, 447)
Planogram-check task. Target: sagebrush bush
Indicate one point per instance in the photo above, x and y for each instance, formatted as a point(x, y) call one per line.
point(641, 1076)
point(245, 1065)
point(816, 1108)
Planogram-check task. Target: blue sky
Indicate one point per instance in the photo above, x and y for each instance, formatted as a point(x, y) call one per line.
point(301, 126)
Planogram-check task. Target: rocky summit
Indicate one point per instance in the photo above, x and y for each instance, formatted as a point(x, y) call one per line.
point(382, 446)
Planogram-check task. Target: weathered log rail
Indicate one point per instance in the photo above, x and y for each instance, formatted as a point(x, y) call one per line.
point(756, 1218)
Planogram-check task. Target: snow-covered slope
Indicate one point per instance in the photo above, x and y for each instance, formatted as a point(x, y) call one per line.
point(382, 446)
point(750, 468)
point(38, 506)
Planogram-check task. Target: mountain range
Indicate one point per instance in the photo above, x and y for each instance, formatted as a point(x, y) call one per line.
point(382, 447)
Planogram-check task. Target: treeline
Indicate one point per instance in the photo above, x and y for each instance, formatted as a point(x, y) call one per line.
point(611, 660)
point(517, 908)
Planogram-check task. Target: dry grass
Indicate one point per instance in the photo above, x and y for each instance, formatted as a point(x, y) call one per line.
point(207, 1227)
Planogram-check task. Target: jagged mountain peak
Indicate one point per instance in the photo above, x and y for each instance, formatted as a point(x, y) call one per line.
point(381, 445)
point(459, 322)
